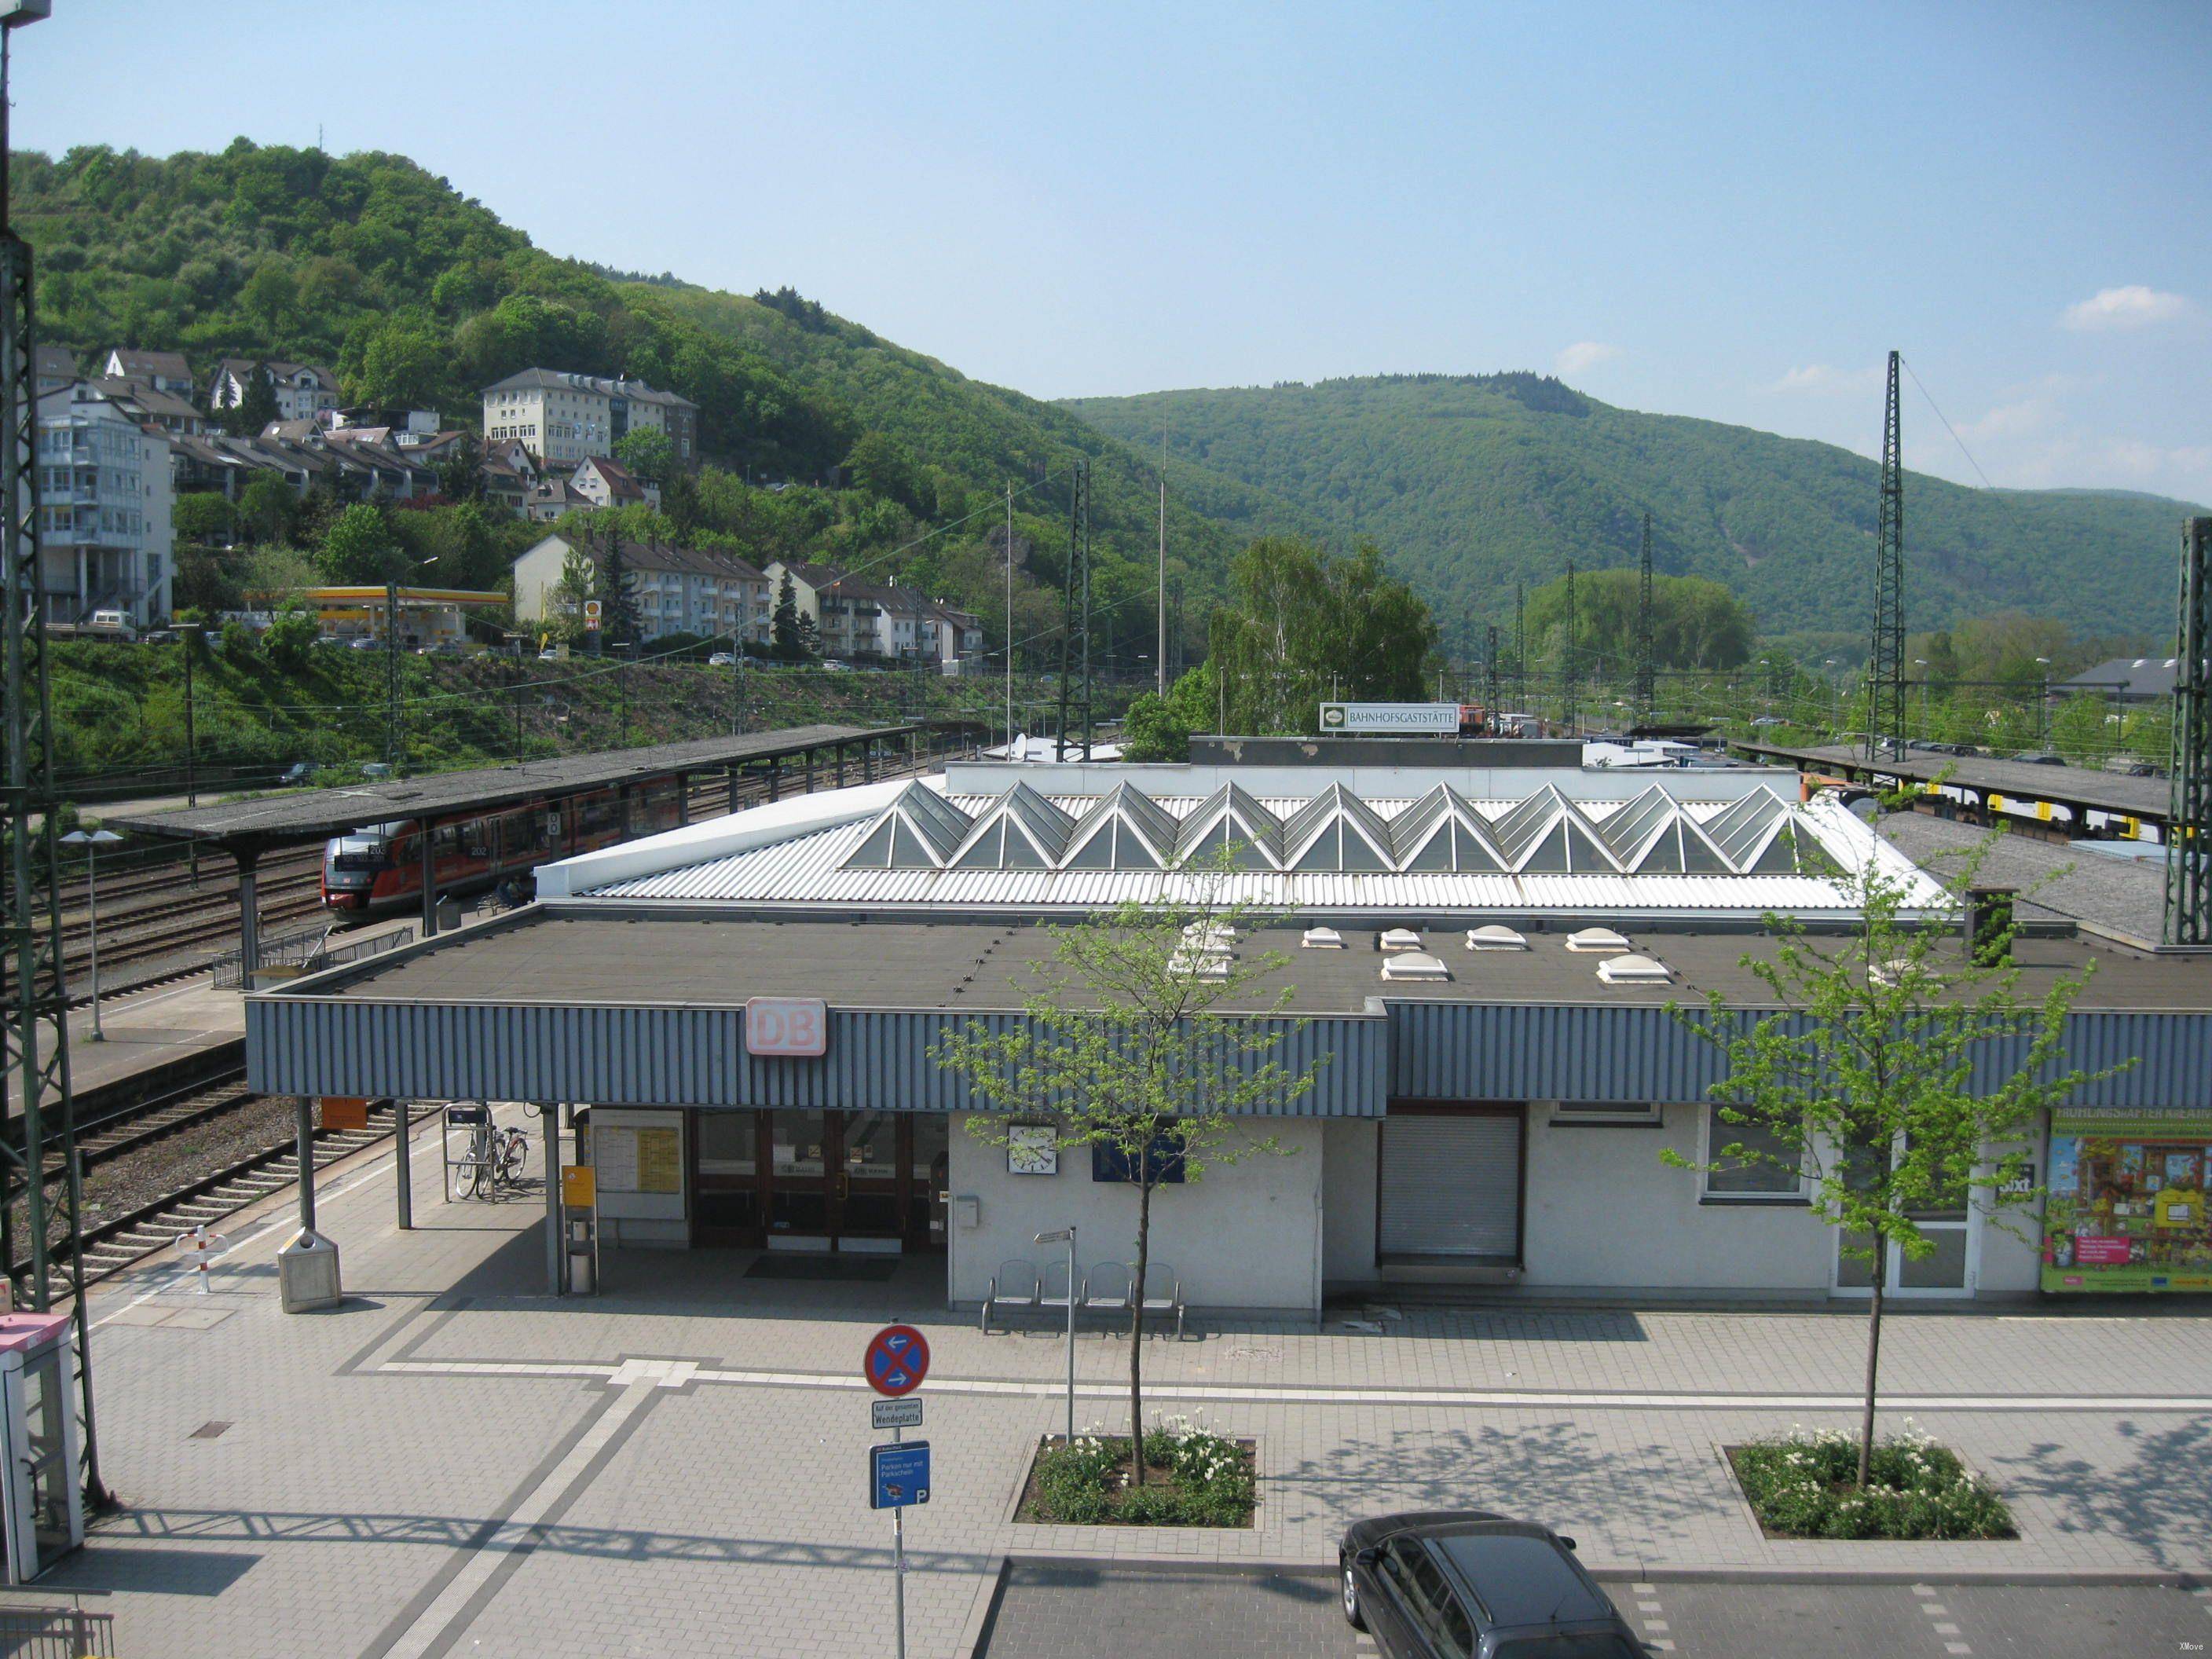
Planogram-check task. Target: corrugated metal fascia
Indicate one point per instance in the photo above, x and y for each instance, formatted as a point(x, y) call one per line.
point(877, 1059)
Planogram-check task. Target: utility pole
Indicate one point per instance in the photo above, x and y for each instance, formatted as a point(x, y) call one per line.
point(1086, 614)
point(1647, 665)
point(1490, 679)
point(1161, 650)
point(1010, 619)
point(1520, 647)
point(1567, 687)
point(1886, 662)
point(1075, 609)
point(38, 1036)
point(394, 711)
point(2189, 818)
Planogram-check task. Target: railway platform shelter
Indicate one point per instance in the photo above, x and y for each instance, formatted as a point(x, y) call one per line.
point(792, 761)
point(2076, 801)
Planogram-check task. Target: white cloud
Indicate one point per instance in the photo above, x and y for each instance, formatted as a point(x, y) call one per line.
point(1826, 380)
point(2014, 420)
point(2131, 306)
point(1583, 354)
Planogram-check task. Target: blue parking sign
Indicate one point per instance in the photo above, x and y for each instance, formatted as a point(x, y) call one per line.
point(898, 1475)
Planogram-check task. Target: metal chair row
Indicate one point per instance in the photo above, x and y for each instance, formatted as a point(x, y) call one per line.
point(1106, 1288)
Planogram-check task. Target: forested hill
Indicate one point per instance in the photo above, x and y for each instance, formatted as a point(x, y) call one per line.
point(419, 296)
point(1471, 482)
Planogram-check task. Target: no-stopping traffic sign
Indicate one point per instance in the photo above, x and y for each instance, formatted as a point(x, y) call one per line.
point(898, 1359)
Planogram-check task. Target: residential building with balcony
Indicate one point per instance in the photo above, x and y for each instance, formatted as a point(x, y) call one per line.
point(164, 371)
point(304, 391)
point(856, 618)
point(104, 496)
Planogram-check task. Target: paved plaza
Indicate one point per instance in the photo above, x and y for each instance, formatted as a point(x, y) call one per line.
point(451, 1463)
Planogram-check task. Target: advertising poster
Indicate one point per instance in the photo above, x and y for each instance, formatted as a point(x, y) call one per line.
point(2127, 1205)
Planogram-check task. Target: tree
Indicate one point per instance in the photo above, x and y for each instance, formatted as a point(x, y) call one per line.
point(810, 637)
point(1901, 1073)
point(358, 546)
point(646, 453)
point(402, 367)
point(264, 509)
point(1159, 728)
point(460, 475)
point(1302, 624)
point(270, 293)
point(203, 519)
point(255, 408)
point(784, 633)
point(1120, 1049)
point(291, 636)
point(618, 618)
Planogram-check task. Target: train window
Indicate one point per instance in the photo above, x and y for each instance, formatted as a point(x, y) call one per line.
point(549, 829)
point(476, 838)
point(448, 840)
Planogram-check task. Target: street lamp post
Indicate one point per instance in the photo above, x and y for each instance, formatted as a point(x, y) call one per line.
point(1835, 702)
point(2043, 706)
point(92, 841)
point(394, 715)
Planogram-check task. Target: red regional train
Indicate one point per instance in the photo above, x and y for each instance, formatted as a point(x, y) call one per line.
point(380, 866)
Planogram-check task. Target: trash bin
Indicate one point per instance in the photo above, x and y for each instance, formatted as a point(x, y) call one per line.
point(308, 1273)
point(449, 914)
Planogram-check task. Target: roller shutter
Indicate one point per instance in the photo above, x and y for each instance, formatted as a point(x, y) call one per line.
point(1451, 1185)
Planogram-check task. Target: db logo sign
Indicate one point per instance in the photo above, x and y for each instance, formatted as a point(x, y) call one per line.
point(787, 1027)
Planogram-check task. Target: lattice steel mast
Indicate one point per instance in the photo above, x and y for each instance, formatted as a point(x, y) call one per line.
point(1886, 662)
point(1647, 667)
point(1490, 679)
point(2189, 818)
point(1567, 687)
point(1520, 646)
point(30, 887)
point(1075, 610)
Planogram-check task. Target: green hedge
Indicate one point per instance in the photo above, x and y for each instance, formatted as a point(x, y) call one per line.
point(1806, 1486)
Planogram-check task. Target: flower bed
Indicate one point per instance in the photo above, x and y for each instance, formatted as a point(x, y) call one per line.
point(1806, 1486)
point(1194, 1478)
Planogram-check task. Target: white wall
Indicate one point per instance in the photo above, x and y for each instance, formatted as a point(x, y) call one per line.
point(1247, 1235)
point(1603, 1210)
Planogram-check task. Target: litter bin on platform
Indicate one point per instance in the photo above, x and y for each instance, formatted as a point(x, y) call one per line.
point(308, 1273)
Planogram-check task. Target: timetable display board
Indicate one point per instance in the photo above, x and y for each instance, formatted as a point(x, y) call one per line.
point(637, 1162)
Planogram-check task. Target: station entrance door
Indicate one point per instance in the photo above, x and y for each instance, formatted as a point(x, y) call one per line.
point(804, 1179)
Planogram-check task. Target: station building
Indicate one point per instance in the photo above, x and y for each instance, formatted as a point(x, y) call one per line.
point(1486, 953)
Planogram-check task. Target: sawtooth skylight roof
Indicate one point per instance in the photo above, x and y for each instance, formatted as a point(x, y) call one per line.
point(919, 830)
point(1230, 817)
point(1123, 830)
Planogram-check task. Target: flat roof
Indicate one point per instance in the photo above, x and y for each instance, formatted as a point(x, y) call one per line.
point(307, 815)
point(2114, 792)
point(2116, 898)
point(544, 956)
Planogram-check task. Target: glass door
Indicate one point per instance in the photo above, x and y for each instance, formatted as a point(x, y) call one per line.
point(726, 1180)
point(870, 1200)
point(1948, 1270)
point(802, 1196)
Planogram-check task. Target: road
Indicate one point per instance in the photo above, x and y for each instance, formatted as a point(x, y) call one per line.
point(1069, 1610)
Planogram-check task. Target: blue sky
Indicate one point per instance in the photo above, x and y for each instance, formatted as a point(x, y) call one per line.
point(1729, 211)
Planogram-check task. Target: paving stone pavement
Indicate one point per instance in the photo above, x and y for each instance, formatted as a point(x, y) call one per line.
point(452, 1462)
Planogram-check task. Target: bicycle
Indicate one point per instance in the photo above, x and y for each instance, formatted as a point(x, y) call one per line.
point(495, 1155)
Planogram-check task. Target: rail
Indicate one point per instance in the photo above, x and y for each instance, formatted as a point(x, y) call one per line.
point(56, 1633)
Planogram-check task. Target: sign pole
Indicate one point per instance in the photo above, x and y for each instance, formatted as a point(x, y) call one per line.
point(1066, 1235)
point(898, 1562)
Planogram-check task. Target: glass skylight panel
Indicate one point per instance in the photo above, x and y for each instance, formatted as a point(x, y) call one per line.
point(1320, 938)
point(1633, 970)
point(1526, 824)
point(1412, 829)
point(1047, 826)
point(943, 825)
point(1324, 853)
point(1415, 966)
point(874, 853)
point(1495, 938)
point(1597, 938)
point(1301, 827)
point(983, 853)
point(1627, 829)
point(1400, 939)
point(1549, 855)
point(1738, 828)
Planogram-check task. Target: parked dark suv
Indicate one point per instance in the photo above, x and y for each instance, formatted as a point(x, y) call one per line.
point(1463, 1585)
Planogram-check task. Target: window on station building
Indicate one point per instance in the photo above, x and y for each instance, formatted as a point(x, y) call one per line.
point(1766, 1171)
point(1643, 1113)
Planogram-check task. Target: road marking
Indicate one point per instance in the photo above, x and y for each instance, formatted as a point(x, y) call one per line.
point(1532, 1399)
point(452, 1603)
point(1657, 1635)
point(1943, 1626)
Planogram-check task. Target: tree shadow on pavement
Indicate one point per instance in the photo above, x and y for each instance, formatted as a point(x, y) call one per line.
point(2157, 1500)
point(1638, 1497)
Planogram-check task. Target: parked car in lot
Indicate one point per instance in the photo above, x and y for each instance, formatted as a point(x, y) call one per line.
point(2040, 757)
point(1468, 1584)
point(298, 772)
point(721, 660)
point(365, 643)
point(836, 667)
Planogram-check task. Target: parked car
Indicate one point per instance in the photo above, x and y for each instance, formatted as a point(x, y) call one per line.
point(836, 667)
point(721, 660)
point(2040, 757)
point(159, 636)
point(367, 644)
point(376, 770)
point(299, 772)
point(1468, 1584)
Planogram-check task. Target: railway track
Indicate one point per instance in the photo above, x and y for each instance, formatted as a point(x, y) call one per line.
point(152, 1227)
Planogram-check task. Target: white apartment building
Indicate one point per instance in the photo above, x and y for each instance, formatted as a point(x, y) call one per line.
point(856, 618)
point(104, 510)
point(562, 417)
point(677, 590)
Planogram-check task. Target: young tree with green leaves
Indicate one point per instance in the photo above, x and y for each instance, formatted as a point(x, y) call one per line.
point(1863, 1081)
point(359, 545)
point(1127, 1044)
point(648, 453)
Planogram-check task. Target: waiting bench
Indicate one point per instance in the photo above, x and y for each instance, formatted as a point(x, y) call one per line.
point(1106, 1288)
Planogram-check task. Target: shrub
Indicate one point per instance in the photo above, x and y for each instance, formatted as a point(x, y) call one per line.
point(1804, 1485)
point(1198, 1478)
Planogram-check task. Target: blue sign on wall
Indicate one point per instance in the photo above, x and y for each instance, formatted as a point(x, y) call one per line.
point(898, 1475)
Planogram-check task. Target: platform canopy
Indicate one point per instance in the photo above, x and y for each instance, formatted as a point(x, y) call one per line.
point(298, 816)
